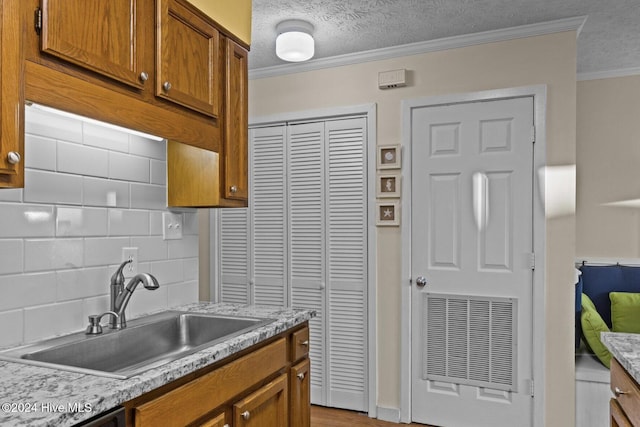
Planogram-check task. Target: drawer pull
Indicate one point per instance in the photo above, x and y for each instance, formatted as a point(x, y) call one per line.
point(618, 392)
point(300, 376)
point(304, 343)
point(246, 415)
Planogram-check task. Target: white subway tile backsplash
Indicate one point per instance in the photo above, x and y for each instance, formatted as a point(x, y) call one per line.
point(53, 254)
point(38, 324)
point(105, 192)
point(182, 293)
point(158, 172)
point(104, 250)
point(26, 290)
point(11, 256)
point(53, 126)
point(167, 272)
point(107, 138)
point(40, 153)
point(129, 168)
point(89, 192)
point(82, 283)
point(152, 248)
point(128, 222)
point(19, 220)
point(49, 187)
point(85, 222)
point(11, 327)
point(148, 196)
point(145, 147)
point(80, 160)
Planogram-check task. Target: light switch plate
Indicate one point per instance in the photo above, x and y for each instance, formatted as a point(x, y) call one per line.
point(171, 226)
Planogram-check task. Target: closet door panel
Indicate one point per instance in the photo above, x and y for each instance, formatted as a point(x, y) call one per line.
point(269, 226)
point(234, 256)
point(347, 263)
point(307, 272)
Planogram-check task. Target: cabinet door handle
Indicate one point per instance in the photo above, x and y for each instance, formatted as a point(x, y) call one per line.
point(13, 157)
point(226, 425)
point(300, 376)
point(618, 392)
point(246, 415)
point(233, 189)
point(144, 76)
point(166, 86)
point(304, 343)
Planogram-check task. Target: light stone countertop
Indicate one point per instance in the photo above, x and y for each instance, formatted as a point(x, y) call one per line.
point(39, 392)
point(626, 349)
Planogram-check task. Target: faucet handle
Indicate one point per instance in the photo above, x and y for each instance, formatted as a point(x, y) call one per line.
point(94, 327)
point(118, 276)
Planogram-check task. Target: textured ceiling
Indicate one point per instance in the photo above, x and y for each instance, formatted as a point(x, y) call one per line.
point(609, 40)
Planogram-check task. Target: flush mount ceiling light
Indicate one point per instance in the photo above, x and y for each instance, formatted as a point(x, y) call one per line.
point(294, 42)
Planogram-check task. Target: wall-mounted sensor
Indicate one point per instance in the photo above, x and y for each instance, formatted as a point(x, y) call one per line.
point(392, 79)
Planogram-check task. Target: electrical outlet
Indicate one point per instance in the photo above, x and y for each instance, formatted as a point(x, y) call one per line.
point(130, 269)
point(171, 226)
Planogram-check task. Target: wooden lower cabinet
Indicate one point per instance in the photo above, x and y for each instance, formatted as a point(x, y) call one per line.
point(625, 406)
point(265, 387)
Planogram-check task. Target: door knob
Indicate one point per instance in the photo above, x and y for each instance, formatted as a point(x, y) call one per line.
point(421, 281)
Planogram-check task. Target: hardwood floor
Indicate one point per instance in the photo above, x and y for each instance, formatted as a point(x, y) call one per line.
point(330, 417)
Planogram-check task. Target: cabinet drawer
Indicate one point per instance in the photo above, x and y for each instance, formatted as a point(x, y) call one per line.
point(195, 399)
point(300, 344)
point(626, 391)
point(618, 418)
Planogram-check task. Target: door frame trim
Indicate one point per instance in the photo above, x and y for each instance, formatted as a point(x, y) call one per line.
point(539, 94)
point(370, 112)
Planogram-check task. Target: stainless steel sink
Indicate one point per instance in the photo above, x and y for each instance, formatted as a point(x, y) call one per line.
point(145, 344)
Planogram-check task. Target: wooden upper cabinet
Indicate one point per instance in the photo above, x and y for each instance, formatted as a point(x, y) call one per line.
point(11, 96)
point(236, 124)
point(101, 35)
point(187, 57)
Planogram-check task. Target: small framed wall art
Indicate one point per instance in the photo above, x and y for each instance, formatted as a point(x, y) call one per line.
point(388, 213)
point(389, 185)
point(389, 157)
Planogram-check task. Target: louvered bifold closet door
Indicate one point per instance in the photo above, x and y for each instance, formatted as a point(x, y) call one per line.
point(347, 263)
point(234, 256)
point(306, 147)
point(268, 213)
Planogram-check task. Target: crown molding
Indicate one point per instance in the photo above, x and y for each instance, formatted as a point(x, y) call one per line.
point(530, 30)
point(623, 72)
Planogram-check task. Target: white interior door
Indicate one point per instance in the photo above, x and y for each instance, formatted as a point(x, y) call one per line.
point(472, 227)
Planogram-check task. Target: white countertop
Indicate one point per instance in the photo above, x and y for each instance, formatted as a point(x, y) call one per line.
point(35, 396)
point(626, 349)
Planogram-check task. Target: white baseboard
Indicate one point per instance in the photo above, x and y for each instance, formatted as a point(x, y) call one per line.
point(389, 414)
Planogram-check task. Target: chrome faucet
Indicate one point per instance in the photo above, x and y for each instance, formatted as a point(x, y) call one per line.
point(120, 294)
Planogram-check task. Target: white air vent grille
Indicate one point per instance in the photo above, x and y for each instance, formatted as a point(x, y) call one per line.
point(470, 340)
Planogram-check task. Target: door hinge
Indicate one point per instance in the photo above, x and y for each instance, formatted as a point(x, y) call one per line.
point(531, 388)
point(37, 20)
point(533, 134)
point(532, 260)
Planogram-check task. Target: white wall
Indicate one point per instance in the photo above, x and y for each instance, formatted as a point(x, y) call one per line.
point(549, 60)
point(608, 159)
point(88, 193)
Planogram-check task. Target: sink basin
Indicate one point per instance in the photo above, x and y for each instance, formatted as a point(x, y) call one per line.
point(145, 344)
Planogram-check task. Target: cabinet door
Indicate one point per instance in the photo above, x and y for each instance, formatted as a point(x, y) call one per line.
point(187, 58)
point(217, 421)
point(267, 407)
point(11, 96)
point(236, 123)
point(104, 36)
point(300, 389)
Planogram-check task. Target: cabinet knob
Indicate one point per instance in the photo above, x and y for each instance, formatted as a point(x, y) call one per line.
point(618, 392)
point(300, 376)
point(226, 425)
point(246, 415)
point(304, 343)
point(233, 189)
point(144, 76)
point(13, 157)
point(166, 86)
